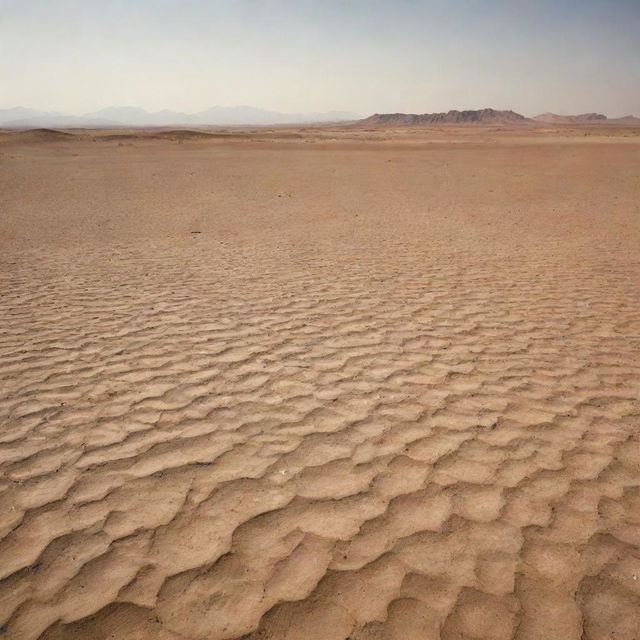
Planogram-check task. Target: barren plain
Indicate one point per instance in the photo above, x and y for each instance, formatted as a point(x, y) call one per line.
point(319, 384)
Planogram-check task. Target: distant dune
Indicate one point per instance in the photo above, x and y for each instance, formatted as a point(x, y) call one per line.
point(41, 135)
point(479, 116)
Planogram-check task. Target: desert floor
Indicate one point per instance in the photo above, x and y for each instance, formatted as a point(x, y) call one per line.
point(298, 385)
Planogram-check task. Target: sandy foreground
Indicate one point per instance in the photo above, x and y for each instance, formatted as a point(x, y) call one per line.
point(294, 385)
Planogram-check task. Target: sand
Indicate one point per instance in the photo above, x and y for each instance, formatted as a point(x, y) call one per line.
point(298, 385)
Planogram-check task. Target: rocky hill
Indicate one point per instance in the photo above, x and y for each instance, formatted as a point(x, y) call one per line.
point(479, 116)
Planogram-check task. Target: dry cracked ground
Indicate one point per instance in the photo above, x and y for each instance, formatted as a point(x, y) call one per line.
point(320, 389)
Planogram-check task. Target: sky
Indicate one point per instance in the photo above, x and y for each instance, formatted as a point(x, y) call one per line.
point(300, 56)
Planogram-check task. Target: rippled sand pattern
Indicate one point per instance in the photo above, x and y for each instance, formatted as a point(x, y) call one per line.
point(410, 441)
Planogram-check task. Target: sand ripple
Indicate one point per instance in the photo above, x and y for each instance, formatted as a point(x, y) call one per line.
point(209, 443)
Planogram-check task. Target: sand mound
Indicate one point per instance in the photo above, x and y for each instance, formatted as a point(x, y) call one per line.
point(144, 134)
point(178, 135)
point(41, 135)
point(185, 134)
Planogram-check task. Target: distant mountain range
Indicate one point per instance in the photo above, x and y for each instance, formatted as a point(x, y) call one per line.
point(21, 117)
point(489, 116)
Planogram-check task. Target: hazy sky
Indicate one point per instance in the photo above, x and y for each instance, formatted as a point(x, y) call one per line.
point(367, 56)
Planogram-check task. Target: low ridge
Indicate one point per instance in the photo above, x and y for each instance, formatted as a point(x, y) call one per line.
point(42, 135)
point(553, 118)
point(478, 116)
point(626, 120)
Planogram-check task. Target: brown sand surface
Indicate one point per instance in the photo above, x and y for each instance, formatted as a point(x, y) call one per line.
point(309, 385)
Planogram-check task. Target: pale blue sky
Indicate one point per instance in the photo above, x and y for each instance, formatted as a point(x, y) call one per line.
point(367, 56)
